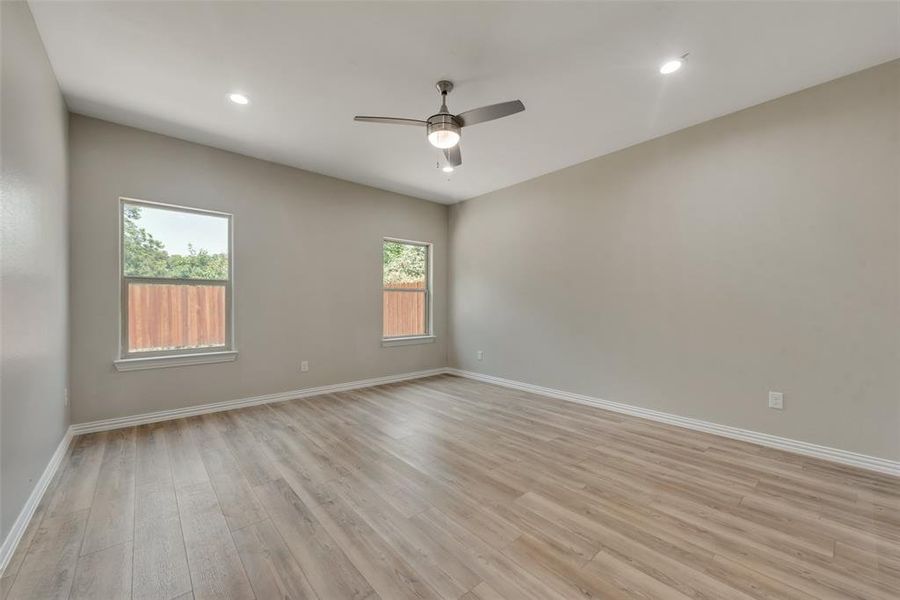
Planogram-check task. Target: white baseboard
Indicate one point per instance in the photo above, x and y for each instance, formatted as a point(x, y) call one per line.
point(18, 529)
point(202, 409)
point(863, 461)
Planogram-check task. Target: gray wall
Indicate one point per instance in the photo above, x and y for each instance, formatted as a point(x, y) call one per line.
point(307, 260)
point(33, 245)
point(693, 273)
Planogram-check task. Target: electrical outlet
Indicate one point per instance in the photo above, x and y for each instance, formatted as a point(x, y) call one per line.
point(479, 355)
point(776, 400)
point(304, 366)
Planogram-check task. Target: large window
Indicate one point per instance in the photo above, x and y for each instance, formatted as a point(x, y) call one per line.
point(176, 280)
point(407, 289)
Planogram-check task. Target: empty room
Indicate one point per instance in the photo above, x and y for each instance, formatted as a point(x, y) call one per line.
point(449, 300)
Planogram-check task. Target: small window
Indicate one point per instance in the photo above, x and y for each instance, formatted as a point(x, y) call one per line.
point(176, 280)
point(407, 289)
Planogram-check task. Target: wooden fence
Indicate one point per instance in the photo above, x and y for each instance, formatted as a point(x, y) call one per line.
point(404, 312)
point(166, 316)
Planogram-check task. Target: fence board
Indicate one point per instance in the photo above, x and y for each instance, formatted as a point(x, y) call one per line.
point(169, 316)
point(404, 312)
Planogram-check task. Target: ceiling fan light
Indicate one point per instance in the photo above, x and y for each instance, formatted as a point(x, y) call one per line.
point(443, 138)
point(443, 131)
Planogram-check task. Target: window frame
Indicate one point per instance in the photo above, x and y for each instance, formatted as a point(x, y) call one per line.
point(400, 340)
point(191, 355)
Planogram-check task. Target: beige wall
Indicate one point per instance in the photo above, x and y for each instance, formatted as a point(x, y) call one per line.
point(33, 267)
point(693, 273)
point(307, 260)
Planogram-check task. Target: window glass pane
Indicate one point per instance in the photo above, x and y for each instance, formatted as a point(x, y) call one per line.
point(404, 313)
point(175, 316)
point(405, 265)
point(160, 242)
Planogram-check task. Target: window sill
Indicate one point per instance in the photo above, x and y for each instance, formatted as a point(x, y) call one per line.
point(407, 341)
point(180, 360)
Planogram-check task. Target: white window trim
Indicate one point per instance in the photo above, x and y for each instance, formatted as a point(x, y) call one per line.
point(427, 337)
point(131, 361)
point(407, 341)
point(178, 360)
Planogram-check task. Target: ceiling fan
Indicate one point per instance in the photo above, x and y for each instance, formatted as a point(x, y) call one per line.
point(443, 129)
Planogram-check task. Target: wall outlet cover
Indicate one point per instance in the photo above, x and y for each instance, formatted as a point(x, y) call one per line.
point(776, 400)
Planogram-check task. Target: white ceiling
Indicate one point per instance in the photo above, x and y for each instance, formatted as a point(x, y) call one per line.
point(587, 73)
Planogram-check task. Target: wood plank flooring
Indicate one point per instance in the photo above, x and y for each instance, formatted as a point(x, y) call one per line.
point(452, 489)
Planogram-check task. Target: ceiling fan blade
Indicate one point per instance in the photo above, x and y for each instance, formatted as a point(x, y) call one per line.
point(489, 113)
point(453, 156)
point(390, 120)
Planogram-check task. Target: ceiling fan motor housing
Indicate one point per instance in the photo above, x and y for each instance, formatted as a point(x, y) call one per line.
point(442, 122)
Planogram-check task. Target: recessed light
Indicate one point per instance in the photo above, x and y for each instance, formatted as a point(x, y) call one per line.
point(447, 169)
point(239, 98)
point(670, 66)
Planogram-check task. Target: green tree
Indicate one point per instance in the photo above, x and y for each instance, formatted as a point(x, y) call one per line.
point(198, 264)
point(145, 256)
point(404, 263)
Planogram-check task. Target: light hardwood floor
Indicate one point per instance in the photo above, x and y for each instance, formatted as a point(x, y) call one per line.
point(447, 488)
